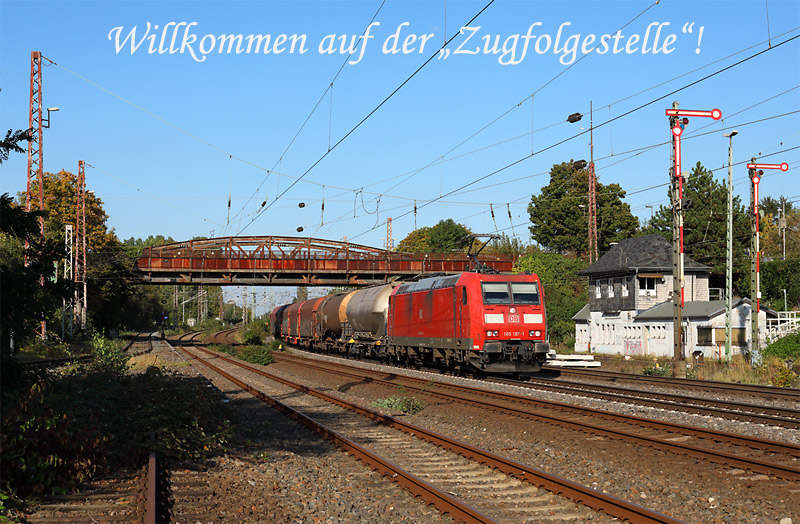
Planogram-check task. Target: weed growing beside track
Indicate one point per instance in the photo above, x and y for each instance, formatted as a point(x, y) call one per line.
point(256, 354)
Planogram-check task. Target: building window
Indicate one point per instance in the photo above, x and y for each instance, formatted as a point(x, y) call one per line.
point(597, 293)
point(610, 288)
point(625, 284)
point(647, 286)
point(705, 336)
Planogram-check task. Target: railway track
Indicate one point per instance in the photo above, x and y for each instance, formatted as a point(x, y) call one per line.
point(222, 337)
point(50, 363)
point(790, 395)
point(758, 455)
point(470, 484)
point(771, 415)
point(781, 416)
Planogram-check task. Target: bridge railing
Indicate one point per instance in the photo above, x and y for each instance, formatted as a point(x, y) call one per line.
point(296, 256)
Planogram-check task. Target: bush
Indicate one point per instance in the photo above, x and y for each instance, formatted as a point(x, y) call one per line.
point(224, 348)
point(44, 451)
point(62, 431)
point(255, 333)
point(783, 378)
point(786, 348)
point(261, 355)
point(108, 356)
point(402, 402)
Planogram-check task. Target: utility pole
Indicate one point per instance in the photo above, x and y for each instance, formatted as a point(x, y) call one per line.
point(677, 122)
point(35, 153)
point(756, 171)
point(580, 164)
point(389, 240)
point(729, 261)
point(592, 195)
point(68, 247)
point(80, 247)
point(782, 226)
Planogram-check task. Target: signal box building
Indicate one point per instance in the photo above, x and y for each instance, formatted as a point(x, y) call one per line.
point(630, 305)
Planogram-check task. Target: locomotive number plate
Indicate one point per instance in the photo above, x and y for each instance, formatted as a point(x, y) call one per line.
point(513, 318)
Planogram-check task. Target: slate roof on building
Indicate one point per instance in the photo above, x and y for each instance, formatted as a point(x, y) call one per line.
point(647, 253)
point(583, 314)
point(695, 309)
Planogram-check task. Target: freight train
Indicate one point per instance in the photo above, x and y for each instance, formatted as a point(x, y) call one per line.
point(469, 321)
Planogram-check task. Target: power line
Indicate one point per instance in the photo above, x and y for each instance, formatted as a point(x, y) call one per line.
point(526, 157)
point(313, 110)
point(261, 212)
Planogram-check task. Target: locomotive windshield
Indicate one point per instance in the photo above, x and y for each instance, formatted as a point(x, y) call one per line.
point(522, 293)
point(525, 293)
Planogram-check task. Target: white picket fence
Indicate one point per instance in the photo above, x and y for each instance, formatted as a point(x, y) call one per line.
point(787, 322)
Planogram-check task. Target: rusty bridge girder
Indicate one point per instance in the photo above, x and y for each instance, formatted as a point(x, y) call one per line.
point(289, 261)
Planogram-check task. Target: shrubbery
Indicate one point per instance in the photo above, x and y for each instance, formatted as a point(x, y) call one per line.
point(261, 355)
point(786, 348)
point(61, 430)
point(255, 332)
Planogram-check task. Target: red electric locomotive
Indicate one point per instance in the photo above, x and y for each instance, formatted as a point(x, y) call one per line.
point(489, 322)
point(493, 322)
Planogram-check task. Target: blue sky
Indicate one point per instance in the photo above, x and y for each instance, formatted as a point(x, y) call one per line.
point(170, 138)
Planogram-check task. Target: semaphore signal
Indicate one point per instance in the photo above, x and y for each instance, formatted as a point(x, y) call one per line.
point(678, 120)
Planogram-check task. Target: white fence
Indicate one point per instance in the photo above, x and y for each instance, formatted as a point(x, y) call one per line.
point(787, 322)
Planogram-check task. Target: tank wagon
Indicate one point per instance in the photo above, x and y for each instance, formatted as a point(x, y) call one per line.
point(489, 322)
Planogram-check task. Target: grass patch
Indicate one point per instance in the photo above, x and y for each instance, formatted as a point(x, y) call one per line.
point(772, 371)
point(255, 354)
point(403, 402)
point(657, 370)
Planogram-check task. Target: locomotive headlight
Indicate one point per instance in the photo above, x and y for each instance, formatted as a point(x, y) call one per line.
point(496, 333)
point(489, 333)
point(538, 333)
point(531, 333)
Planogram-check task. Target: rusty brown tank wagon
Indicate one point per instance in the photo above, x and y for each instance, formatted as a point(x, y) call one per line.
point(272, 260)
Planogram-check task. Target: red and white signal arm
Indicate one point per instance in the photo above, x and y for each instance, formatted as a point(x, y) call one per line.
point(716, 114)
point(783, 166)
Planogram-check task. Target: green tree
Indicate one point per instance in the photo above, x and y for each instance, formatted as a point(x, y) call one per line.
point(705, 228)
point(773, 241)
point(415, 242)
point(779, 275)
point(10, 144)
point(559, 217)
point(775, 207)
point(506, 245)
point(565, 293)
point(26, 298)
point(447, 236)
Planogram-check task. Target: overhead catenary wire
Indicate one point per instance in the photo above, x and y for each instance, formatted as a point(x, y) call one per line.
point(252, 164)
point(413, 172)
point(388, 97)
point(622, 115)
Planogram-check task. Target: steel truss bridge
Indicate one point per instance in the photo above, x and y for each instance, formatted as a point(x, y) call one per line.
point(280, 261)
